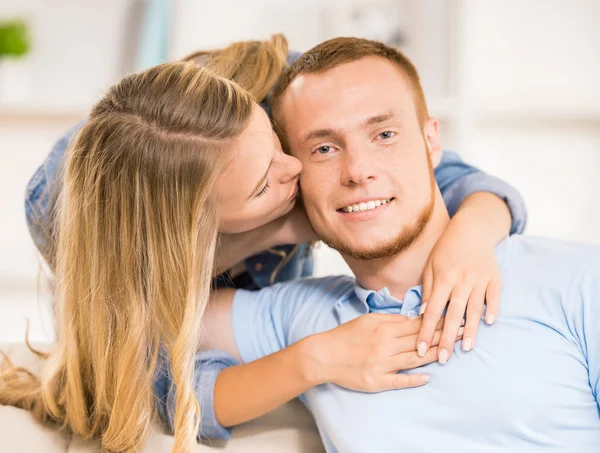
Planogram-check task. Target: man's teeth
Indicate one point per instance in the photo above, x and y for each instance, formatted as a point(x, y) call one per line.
point(365, 206)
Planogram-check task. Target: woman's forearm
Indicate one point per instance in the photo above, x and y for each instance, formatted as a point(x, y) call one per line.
point(484, 214)
point(363, 355)
point(247, 391)
point(293, 228)
point(234, 248)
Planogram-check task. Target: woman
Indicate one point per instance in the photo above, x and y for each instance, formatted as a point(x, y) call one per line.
point(146, 197)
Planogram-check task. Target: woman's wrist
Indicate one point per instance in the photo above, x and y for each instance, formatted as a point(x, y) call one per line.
point(234, 248)
point(483, 216)
point(312, 358)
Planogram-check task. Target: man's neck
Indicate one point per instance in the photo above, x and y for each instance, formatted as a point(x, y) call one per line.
point(404, 270)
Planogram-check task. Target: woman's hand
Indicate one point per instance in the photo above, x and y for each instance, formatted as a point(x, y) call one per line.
point(463, 269)
point(366, 353)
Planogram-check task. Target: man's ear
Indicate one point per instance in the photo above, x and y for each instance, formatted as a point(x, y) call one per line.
point(431, 133)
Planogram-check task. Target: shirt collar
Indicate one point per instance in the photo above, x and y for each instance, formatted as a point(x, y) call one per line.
point(383, 301)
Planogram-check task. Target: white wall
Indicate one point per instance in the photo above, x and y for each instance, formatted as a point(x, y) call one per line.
point(530, 97)
point(77, 51)
point(24, 143)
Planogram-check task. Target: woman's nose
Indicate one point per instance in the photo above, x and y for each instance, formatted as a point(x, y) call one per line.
point(291, 168)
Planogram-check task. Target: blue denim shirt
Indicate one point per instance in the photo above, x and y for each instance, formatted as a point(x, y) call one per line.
point(456, 179)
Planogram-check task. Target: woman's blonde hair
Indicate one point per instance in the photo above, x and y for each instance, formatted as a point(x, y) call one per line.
point(255, 65)
point(137, 224)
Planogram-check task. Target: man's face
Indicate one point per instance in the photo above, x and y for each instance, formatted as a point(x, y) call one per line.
point(367, 182)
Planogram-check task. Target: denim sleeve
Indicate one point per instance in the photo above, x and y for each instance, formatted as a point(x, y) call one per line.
point(457, 180)
point(42, 191)
point(208, 364)
point(268, 311)
point(293, 56)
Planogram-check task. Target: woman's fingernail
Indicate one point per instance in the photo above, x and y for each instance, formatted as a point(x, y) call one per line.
point(467, 344)
point(425, 378)
point(490, 319)
point(443, 356)
point(422, 310)
point(461, 331)
point(462, 323)
point(422, 349)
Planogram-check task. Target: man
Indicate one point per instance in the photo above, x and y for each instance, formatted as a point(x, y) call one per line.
point(368, 150)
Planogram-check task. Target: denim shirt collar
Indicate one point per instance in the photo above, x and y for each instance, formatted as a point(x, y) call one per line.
point(383, 301)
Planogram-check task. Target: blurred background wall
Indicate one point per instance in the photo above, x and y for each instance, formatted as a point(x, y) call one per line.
point(513, 82)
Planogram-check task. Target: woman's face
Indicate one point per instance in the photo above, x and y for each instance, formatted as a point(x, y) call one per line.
point(261, 182)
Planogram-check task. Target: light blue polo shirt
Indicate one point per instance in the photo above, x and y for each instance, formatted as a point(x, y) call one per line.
point(532, 383)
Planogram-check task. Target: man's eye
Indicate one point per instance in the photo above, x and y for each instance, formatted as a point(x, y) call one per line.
point(323, 149)
point(387, 134)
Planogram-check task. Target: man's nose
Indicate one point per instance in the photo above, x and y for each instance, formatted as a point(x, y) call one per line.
point(358, 168)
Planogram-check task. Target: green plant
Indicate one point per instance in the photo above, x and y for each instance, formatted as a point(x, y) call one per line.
point(14, 38)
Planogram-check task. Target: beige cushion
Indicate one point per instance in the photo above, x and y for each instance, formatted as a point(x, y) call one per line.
point(289, 429)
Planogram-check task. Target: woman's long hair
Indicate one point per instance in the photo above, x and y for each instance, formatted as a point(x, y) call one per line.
point(255, 65)
point(137, 223)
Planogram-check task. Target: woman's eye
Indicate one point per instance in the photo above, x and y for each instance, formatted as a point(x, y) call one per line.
point(323, 149)
point(387, 134)
point(264, 189)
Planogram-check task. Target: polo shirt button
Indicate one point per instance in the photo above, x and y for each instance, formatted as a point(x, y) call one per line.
point(412, 313)
point(258, 267)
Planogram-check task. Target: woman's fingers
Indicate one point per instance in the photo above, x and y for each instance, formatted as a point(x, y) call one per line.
point(408, 343)
point(410, 360)
point(454, 319)
point(394, 381)
point(427, 281)
point(492, 298)
point(474, 314)
point(403, 327)
point(433, 311)
point(408, 328)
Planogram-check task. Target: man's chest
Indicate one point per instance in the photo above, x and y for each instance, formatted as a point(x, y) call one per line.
point(524, 386)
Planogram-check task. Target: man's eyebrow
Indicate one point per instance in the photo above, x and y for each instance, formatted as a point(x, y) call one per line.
point(382, 117)
point(260, 183)
point(375, 119)
point(319, 133)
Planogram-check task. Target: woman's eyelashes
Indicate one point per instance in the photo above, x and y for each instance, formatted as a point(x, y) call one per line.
point(264, 190)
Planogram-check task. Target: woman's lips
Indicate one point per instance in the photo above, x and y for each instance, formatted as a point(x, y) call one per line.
point(294, 192)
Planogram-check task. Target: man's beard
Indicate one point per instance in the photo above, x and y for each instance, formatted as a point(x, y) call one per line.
point(403, 240)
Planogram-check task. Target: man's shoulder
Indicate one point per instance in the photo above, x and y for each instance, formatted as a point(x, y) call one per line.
point(296, 298)
point(332, 285)
point(549, 256)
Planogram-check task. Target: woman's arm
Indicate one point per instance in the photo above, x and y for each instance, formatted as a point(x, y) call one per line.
point(350, 355)
point(462, 268)
point(42, 192)
point(247, 391)
point(293, 228)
